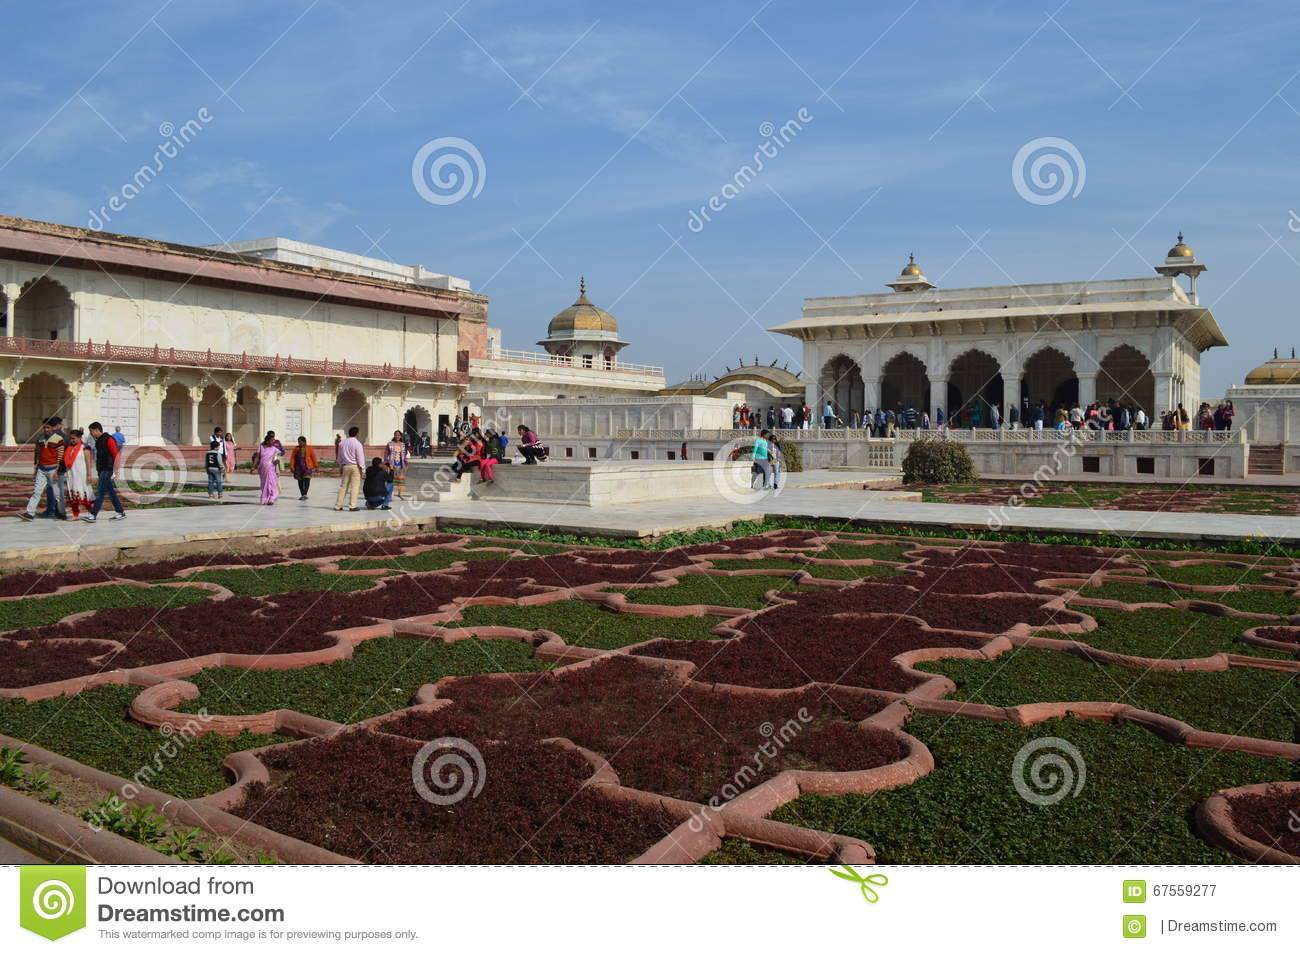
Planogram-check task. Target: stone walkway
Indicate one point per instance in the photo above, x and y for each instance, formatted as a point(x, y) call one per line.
point(241, 520)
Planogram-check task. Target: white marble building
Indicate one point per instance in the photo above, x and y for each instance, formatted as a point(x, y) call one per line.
point(1138, 340)
point(168, 341)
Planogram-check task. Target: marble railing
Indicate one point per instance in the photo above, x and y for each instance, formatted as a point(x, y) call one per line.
point(1048, 435)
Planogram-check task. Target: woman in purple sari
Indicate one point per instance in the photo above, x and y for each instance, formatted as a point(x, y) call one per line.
point(266, 458)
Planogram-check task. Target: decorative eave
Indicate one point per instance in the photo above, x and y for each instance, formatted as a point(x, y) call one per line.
point(49, 244)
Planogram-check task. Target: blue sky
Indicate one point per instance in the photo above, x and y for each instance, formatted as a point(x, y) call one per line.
point(601, 126)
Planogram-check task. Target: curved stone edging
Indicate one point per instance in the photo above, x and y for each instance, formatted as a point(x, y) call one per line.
point(1215, 824)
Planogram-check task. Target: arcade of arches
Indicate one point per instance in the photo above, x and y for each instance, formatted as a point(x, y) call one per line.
point(186, 415)
point(975, 383)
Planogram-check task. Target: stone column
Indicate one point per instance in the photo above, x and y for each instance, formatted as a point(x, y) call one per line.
point(230, 410)
point(871, 394)
point(1164, 397)
point(1087, 387)
point(939, 398)
point(196, 398)
point(1011, 397)
point(812, 396)
point(11, 305)
point(9, 439)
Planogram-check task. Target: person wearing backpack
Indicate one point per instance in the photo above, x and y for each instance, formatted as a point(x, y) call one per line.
point(106, 457)
point(214, 462)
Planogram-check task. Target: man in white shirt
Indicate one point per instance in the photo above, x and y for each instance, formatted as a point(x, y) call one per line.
point(787, 417)
point(828, 415)
point(351, 456)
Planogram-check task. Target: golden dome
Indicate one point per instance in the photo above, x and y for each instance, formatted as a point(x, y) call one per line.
point(582, 315)
point(1278, 371)
point(1181, 250)
point(911, 269)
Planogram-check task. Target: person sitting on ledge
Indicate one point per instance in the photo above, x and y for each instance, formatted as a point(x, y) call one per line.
point(376, 487)
point(530, 445)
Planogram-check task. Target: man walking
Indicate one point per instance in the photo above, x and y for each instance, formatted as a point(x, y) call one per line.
point(106, 454)
point(48, 453)
point(351, 457)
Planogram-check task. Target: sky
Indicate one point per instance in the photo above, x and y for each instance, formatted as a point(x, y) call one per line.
point(522, 144)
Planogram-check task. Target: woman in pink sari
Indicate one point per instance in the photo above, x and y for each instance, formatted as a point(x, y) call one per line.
point(265, 461)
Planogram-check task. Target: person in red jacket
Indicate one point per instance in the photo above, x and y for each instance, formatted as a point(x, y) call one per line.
point(106, 456)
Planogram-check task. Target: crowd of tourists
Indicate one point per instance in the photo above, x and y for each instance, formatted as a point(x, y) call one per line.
point(1110, 415)
point(67, 462)
point(76, 470)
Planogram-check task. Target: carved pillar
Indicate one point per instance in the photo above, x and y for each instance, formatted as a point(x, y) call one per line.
point(9, 439)
point(871, 394)
point(938, 398)
point(1010, 396)
point(11, 305)
point(1087, 387)
point(196, 398)
point(230, 411)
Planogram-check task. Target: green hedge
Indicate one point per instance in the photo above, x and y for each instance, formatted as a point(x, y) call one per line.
point(937, 462)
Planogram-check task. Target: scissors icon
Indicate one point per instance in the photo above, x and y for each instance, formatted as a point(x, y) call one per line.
point(864, 882)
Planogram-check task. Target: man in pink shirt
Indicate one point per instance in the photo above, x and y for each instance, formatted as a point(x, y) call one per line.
point(351, 456)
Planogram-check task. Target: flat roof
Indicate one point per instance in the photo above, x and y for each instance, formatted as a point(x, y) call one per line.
point(49, 243)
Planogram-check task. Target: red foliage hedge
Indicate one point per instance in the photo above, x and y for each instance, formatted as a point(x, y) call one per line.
point(685, 742)
point(941, 610)
point(1269, 818)
point(849, 651)
point(353, 794)
point(32, 584)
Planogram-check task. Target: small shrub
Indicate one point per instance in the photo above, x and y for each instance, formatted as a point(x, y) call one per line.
point(793, 457)
point(937, 462)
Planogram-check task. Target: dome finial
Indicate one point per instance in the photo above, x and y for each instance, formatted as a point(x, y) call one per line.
point(582, 280)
